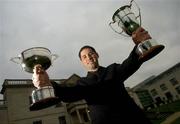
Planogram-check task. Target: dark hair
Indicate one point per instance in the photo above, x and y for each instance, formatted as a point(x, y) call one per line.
point(84, 47)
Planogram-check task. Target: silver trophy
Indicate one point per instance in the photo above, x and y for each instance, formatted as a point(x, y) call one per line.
point(128, 23)
point(41, 97)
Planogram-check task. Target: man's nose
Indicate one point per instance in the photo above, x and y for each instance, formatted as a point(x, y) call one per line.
point(89, 57)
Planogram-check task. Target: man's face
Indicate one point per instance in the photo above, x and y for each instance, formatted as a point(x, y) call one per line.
point(89, 59)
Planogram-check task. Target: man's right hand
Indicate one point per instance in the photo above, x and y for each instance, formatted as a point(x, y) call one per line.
point(40, 77)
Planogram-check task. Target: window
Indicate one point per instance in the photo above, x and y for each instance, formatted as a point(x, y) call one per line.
point(163, 87)
point(173, 81)
point(62, 120)
point(37, 122)
point(153, 92)
point(178, 89)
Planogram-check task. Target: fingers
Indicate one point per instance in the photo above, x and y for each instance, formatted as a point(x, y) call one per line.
point(140, 35)
point(41, 80)
point(38, 69)
point(40, 77)
point(140, 29)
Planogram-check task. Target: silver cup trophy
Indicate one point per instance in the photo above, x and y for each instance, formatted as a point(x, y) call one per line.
point(128, 23)
point(41, 97)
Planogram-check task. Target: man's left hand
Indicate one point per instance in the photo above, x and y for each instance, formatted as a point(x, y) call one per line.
point(140, 35)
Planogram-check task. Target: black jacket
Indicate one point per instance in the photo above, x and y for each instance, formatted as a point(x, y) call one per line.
point(104, 92)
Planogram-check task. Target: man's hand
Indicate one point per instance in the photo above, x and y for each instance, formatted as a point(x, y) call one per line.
point(40, 77)
point(140, 35)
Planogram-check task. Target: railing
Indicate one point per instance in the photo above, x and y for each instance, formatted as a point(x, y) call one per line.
point(17, 82)
point(21, 82)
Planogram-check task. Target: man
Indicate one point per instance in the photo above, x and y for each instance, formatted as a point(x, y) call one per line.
point(103, 87)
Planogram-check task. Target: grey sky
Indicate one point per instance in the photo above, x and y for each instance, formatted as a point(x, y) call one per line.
point(63, 26)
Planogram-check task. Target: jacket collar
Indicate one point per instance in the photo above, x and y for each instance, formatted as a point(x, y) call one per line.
point(97, 74)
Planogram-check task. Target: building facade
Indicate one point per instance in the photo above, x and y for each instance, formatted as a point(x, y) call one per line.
point(163, 88)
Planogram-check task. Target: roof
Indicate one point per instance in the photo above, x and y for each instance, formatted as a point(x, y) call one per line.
point(28, 82)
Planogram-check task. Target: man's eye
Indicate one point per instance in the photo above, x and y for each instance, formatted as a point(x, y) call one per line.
point(84, 57)
point(91, 53)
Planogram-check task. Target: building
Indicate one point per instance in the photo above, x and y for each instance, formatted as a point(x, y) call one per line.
point(141, 97)
point(14, 109)
point(3, 112)
point(163, 88)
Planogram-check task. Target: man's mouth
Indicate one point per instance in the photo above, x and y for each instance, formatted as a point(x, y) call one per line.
point(91, 62)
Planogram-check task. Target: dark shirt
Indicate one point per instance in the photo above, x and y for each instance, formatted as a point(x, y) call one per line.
point(105, 93)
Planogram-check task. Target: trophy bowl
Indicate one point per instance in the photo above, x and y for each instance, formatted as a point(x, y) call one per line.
point(128, 22)
point(42, 97)
point(33, 56)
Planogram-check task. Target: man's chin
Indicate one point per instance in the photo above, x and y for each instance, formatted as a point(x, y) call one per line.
point(92, 69)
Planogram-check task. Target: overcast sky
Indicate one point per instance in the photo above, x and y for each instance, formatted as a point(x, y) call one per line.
point(64, 26)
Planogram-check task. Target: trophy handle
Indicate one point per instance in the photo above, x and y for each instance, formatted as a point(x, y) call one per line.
point(110, 24)
point(54, 57)
point(139, 11)
point(16, 60)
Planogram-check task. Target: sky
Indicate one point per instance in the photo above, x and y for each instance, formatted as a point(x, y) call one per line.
point(64, 26)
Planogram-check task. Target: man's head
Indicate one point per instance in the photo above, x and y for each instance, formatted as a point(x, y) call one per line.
point(89, 58)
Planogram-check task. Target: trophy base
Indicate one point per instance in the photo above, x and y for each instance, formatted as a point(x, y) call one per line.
point(42, 98)
point(148, 49)
point(153, 51)
point(44, 103)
